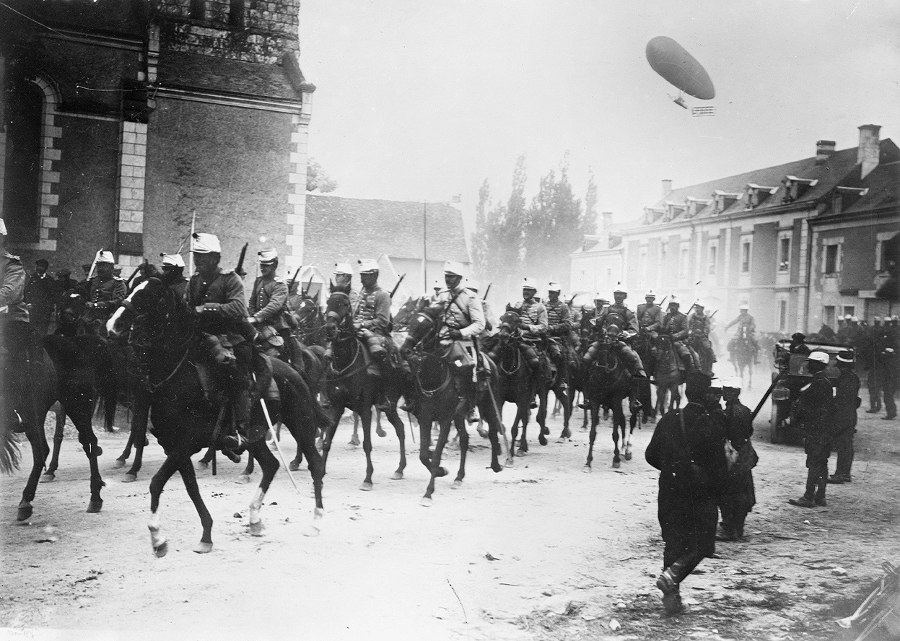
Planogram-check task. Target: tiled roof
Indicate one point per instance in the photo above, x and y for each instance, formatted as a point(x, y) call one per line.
point(345, 229)
point(884, 189)
point(188, 70)
point(837, 169)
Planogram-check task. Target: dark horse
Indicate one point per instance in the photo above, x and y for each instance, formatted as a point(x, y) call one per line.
point(643, 345)
point(79, 373)
point(609, 383)
point(742, 355)
point(445, 396)
point(668, 375)
point(186, 415)
point(352, 382)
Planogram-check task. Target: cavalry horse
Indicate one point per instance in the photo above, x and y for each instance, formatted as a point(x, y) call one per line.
point(742, 355)
point(351, 383)
point(643, 345)
point(608, 384)
point(668, 375)
point(445, 396)
point(187, 415)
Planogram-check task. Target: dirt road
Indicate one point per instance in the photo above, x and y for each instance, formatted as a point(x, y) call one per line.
point(539, 551)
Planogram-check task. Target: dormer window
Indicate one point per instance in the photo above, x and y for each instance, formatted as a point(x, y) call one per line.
point(673, 210)
point(795, 187)
point(696, 205)
point(757, 194)
point(653, 214)
point(844, 197)
point(722, 200)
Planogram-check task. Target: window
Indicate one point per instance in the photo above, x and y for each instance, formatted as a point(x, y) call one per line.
point(881, 263)
point(22, 177)
point(782, 315)
point(642, 264)
point(784, 253)
point(745, 256)
point(236, 14)
point(832, 262)
point(684, 261)
point(829, 316)
point(713, 255)
point(849, 310)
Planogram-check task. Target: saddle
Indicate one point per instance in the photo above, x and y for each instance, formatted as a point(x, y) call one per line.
point(263, 383)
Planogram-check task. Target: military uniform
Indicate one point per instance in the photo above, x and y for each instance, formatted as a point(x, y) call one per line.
point(222, 298)
point(887, 357)
point(698, 337)
point(372, 319)
point(815, 406)
point(559, 329)
point(675, 326)
point(649, 317)
point(267, 302)
point(533, 325)
point(104, 298)
point(846, 401)
point(16, 334)
point(744, 321)
point(623, 318)
point(738, 493)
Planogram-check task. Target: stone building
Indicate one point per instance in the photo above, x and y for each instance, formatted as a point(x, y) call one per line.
point(798, 242)
point(124, 119)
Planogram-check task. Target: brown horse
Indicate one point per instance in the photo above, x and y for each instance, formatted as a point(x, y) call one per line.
point(668, 375)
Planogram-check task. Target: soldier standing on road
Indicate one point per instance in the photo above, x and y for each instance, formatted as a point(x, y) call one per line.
point(887, 357)
point(846, 401)
point(687, 448)
point(738, 493)
point(816, 404)
point(867, 355)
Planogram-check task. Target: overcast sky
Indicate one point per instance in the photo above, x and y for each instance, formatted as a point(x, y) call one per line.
point(424, 99)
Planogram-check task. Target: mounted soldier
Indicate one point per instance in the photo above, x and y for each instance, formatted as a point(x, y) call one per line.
point(343, 279)
point(675, 327)
point(106, 292)
point(745, 321)
point(559, 329)
point(490, 321)
point(649, 315)
point(173, 273)
point(532, 323)
point(14, 326)
point(217, 297)
point(699, 325)
point(619, 324)
point(372, 321)
point(267, 303)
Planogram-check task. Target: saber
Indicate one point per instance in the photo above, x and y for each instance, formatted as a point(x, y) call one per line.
point(277, 445)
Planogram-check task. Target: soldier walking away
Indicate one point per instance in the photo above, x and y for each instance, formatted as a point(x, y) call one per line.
point(745, 321)
point(738, 494)
point(887, 358)
point(698, 337)
point(867, 355)
point(687, 448)
point(846, 402)
point(675, 327)
point(217, 296)
point(268, 301)
point(559, 327)
point(15, 329)
point(814, 411)
point(626, 325)
point(173, 273)
point(105, 295)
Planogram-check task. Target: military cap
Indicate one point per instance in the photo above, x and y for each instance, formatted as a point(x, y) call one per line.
point(343, 268)
point(620, 289)
point(819, 357)
point(650, 294)
point(674, 300)
point(175, 260)
point(104, 256)
point(876, 319)
point(554, 287)
point(744, 306)
point(368, 265)
point(699, 303)
point(205, 244)
point(845, 357)
point(528, 283)
point(454, 268)
point(267, 256)
point(797, 336)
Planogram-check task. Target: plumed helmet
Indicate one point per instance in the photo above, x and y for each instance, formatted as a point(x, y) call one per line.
point(454, 269)
point(620, 289)
point(674, 300)
point(699, 304)
point(343, 268)
point(650, 294)
point(205, 244)
point(528, 283)
point(105, 256)
point(553, 286)
point(819, 357)
point(175, 260)
point(368, 265)
point(267, 256)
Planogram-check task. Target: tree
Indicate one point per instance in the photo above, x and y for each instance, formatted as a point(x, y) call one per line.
point(317, 179)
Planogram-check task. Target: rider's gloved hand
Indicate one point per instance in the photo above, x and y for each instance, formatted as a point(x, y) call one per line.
point(455, 334)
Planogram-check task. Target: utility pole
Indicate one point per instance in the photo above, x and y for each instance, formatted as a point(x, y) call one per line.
point(425, 247)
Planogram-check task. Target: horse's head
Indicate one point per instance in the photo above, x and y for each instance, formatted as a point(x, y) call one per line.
point(306, 311)
point(337, 310)
point(421, 327)
point(509, 323)
point(148, 300)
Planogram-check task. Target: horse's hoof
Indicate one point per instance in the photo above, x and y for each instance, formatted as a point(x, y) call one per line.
point(24, 513)
point(366, 486)
point(98, 451)
point(617, 464)
point(311, 531)
point(545, 431)
point(119, 462)
point(380, 432)
point(510, 462)
point(160, 549)
point(587, 469)
point(521, 452)
point(243, 478)
point(483, 433)
point(94, 506)
point(353, 441)
point(441, 471)
point(397, 476)
point(627, 456)
point(426, 501)
point(456, 484)
point(566, 433)
point(202, 465)
point(129, 478)
point(47, 477)
point(542, 439)
point(203, 547)
point(293, 467)
point(495, 465)
point(256, 529)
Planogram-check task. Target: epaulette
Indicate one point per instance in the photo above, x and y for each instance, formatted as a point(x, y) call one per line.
point(6, 254)
point(119, 278)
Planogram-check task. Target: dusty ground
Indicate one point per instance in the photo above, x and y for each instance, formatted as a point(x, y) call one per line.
point(539, 551)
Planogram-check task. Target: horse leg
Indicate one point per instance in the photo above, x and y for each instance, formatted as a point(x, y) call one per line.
point(205, 461)
point(378, 429)
point(627, 439)
point(749, 376)
point(562, 397)
point(541, 418)
point(436, 469)
point(399, 428)
point(305, 435)
point(39, 451)
point(244, 477)
point(50, 474)
point(138, 437)
point(354, 440)
point(123, 457)
point(329, 433)
point(269, 466)
point(365, 416)
point(525, 412)
point(463, 450)
point(486, 411)
point(157, 483)
point(617, 412)
point(189, 478)
point(595, 419)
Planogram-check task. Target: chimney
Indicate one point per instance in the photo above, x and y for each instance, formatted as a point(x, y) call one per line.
point(607, 219)
point(869, 149)
point(824, 149)
point(667, 187)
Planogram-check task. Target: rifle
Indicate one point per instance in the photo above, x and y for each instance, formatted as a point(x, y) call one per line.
point(662, 302)
point(239, 270)
point(487, 291)
point(294, 279)
point(308, 285)
point(135, 273)
point(397, 286)
point(713, 314)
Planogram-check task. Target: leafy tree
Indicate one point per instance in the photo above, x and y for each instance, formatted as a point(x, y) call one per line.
point(317, 179)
